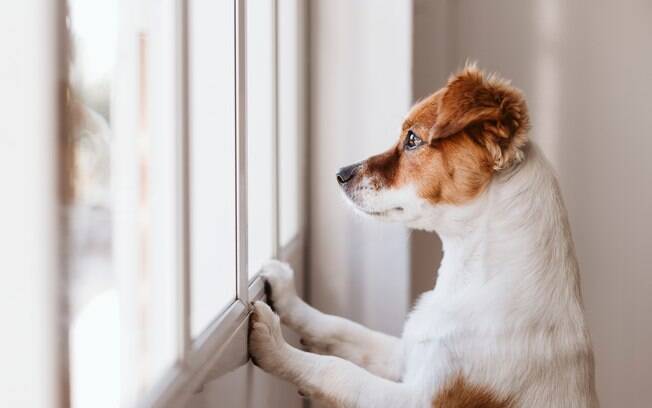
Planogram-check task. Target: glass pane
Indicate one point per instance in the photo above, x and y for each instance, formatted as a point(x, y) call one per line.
point(289, 122)
point(120, 196)
point(260, 132)
point(212, 159)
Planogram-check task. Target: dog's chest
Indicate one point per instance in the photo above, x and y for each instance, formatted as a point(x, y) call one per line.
point(430, 320)
point(441, 335)
point(429, 340)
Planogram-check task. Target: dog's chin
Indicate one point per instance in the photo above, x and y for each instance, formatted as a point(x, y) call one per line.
point(389, 213)
point(392, 214)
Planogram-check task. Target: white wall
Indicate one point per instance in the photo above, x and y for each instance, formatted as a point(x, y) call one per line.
point(360, 91)
point(586, 68)
point(30, 77)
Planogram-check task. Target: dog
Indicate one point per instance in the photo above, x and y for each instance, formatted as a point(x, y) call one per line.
point(503, 326)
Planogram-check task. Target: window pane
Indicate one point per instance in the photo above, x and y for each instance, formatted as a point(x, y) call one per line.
point(289, 123)
point(260, 132)
point(120, 198)
point(212, 159)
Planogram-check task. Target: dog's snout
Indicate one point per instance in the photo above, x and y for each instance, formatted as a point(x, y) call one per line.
point(345, 174)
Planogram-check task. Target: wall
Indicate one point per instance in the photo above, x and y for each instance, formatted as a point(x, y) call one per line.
point(360, 91)
point(33, 346)
point(586, 68)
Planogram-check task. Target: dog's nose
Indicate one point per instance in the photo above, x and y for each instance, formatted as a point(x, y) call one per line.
point(347, 173)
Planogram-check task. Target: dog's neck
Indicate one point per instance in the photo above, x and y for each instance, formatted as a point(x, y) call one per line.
point(516, 234)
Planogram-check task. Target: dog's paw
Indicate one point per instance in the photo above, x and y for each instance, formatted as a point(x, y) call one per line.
point(279, 285)
point(266, 342)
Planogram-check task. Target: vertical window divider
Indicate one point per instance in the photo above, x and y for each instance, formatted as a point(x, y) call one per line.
point(183, 182)
point(276, 213)
point(62, 156)
point(242, 275)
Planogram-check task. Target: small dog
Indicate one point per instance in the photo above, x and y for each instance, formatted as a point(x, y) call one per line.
point(504, 325)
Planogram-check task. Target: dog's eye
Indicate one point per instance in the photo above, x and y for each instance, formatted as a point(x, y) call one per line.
point(412, 141)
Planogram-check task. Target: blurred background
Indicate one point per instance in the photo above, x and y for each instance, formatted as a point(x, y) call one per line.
point(135, 220)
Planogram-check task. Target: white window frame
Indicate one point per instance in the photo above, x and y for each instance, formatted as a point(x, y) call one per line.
point(222, 345)
point(34, 133)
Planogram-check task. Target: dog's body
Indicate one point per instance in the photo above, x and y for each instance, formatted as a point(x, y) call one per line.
point(504, 325)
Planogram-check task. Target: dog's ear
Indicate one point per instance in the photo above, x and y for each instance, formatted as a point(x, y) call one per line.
point(490, 109)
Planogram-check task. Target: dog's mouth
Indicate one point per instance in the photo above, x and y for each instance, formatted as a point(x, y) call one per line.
point(384, 212)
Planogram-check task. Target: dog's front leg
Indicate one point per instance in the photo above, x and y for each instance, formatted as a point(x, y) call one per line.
point(330, 379)
point(326, 334)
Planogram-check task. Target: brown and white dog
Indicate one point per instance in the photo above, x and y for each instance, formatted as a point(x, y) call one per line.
point(504, 325)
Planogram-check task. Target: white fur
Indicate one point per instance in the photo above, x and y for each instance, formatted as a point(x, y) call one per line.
point(394, 205)
point(506, 311)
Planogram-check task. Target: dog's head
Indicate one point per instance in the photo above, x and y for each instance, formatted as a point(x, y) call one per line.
point(451, 145)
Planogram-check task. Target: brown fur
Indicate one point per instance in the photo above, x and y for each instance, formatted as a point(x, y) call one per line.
point(473, 127)
point(461, 394)
point(496, 109)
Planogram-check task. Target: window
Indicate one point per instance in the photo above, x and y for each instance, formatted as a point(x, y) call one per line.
point(121, 200)
point(291, 121)
point(261, 126)
point(212, 161)
point(180, 182)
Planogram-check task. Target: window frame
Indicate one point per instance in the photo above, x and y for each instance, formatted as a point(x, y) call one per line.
point(222, 346)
